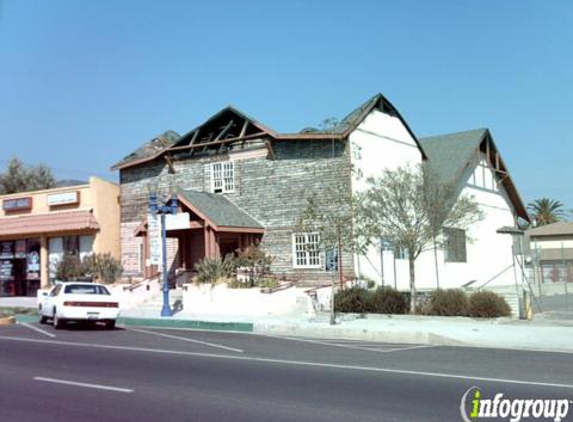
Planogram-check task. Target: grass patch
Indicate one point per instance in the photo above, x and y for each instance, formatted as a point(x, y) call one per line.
point(16, 310)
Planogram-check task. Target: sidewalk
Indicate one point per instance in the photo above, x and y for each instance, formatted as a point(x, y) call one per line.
point(446, 331)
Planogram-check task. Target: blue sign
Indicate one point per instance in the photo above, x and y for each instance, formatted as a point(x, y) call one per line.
point(331, 259)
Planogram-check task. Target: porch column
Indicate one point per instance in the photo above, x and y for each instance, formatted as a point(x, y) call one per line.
point(207, 239)
point(44, 268)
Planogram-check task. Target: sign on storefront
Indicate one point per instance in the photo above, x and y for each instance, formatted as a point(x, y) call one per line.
point(17, 204)
point(6, 250)
point(64, 198)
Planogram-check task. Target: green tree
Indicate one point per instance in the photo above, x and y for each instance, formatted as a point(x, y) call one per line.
point(402, 207)
point(19, 178)
point(546, 211)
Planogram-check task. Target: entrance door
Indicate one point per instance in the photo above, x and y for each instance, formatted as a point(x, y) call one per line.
point(21, 287)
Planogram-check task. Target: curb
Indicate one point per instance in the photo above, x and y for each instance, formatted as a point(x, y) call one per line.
point(245, 327)
point(7, 320)
point(26, 318)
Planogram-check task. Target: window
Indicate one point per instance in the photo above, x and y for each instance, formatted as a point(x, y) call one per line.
point(400, 252)
point(223, 177)
point(454, 245)
point(305, 250)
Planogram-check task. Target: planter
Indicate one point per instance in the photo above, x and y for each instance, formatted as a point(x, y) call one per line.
point(9, 320)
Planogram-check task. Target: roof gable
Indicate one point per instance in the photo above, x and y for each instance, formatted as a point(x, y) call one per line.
point(449, 155)
point(217, 209)
point(231, 125)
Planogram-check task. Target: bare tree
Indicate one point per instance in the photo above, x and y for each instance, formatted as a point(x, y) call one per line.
point(409, 208)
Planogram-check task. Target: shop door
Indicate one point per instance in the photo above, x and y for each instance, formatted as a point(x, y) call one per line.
point(20, 277)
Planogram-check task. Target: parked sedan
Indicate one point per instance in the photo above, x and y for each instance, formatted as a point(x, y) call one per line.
point(74, 301)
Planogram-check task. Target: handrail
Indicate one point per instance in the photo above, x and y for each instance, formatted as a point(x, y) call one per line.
point(495, 276)
point(280, 287)
point(132, 287)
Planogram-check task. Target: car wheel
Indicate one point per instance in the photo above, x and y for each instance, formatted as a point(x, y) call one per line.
point(41, 318)
point(110, 325)
point(58, 323)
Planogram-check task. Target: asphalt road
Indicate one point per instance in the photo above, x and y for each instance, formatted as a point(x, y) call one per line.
point(142, 375)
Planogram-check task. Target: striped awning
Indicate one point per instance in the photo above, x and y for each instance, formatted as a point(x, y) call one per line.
point(65, 221)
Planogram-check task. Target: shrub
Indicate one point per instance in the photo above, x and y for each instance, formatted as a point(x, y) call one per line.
point(210, 270)
point(69, 268)
point(386, 300)
point(450, 302)
point(104, 267)
point(256, 261)
point(351, 300)
point(487, 305)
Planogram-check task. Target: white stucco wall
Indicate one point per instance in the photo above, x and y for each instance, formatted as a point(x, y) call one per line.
point(380, 142)
point(383, 142)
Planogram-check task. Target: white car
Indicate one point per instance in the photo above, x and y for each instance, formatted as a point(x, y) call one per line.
point(77, 301)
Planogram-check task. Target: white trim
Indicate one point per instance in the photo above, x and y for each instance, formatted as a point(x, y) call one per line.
point(307, 257)
point(223, 188)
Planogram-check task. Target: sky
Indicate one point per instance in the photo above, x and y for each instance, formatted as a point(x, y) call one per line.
point(83, 83)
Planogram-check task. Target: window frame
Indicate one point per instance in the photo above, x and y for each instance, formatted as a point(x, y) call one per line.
point(458, 256)
point(309, 255)
point(226, 174)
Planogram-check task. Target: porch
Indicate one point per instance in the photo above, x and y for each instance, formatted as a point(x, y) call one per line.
point(207, 225)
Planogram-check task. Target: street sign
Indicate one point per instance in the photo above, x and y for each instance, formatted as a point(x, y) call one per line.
point(154, 239)
point(331, 259)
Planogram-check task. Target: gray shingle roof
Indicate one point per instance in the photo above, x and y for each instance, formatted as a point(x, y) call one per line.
point(219, 209)
point(449, 154)
point(151, 148)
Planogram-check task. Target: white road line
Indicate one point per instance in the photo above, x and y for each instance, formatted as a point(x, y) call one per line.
point(39, 330)
point(348, 346)
point(205, 343)
point(293, 362)
point(82, 384)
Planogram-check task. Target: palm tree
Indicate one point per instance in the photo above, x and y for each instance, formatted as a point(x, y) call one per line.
point(546, 211)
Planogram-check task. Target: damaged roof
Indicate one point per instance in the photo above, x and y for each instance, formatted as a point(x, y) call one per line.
point(171, 142)
point(150, 149)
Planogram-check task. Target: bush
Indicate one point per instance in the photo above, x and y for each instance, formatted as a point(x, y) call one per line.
point(450, 302)
point(386, 300)
point(351, 300)
point(210, 270)
point(70, 268)
point(256, 262)
point(104, 267)
point(486, 304)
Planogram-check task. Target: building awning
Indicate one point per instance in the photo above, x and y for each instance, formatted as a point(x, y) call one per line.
point(65, 221)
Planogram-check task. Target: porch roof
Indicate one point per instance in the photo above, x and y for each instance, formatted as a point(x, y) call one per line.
point(218, 210)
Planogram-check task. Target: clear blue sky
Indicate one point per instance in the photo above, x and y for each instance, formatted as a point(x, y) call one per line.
point(82, 83)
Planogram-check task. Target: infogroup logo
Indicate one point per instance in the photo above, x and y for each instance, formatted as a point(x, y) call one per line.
point(474, 407)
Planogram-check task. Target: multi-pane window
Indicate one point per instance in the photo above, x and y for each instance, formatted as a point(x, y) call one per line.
point(454, 245)
point(400, 252)
point(223, 177)
point(305, 250)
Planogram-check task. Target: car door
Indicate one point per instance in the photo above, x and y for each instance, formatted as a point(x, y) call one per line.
point(50, 301)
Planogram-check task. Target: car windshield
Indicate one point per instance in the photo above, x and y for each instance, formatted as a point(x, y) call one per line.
point(84, 289)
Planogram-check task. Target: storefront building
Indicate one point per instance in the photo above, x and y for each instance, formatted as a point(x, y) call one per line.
point(38, 228)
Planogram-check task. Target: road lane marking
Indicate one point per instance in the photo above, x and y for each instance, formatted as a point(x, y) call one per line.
point(349, 346)
point(293, 362)
point(82, 384)
point(39, 330)
point(205, 343)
